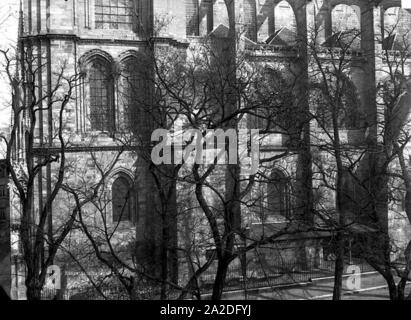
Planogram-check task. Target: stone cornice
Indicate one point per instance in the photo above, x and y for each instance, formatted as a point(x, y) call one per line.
point(85, 40)
point(81, 149)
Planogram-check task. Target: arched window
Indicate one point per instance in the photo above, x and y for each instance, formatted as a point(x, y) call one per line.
point(278, 195)
point(392, 18)
point(122, 199)
point(284, 17)
point(346, 27)
point(345, 18)
point(285, 25)
point(280, 24)
point(270, 101)
point(323, 103)
point(350, 190)
point(132, 93)
point(396, 29)
point(101, 90)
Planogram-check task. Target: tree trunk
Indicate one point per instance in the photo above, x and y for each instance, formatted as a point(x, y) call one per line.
point(33, 289)
point(219, 281)
point(164, 260)
point(33, 293)
point(339, 267)
point(392, 287)
point(401, 289)
point(232, 214)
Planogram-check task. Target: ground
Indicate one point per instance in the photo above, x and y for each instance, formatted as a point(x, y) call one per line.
point(373, 287)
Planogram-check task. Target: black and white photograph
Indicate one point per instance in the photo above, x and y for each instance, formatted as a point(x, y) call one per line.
point(205, 150)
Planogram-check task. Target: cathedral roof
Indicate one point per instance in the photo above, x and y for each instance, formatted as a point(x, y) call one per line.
point(282, 37)
point(221, 31)
point(393, 42)
point(343, 40)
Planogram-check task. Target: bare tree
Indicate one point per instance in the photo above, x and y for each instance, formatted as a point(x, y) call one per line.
point(335, 109)
point(393, 92)
point(200, 89)
point(40, 232)
point(368, 171)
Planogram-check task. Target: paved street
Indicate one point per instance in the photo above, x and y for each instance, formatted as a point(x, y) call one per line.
point(373, 287)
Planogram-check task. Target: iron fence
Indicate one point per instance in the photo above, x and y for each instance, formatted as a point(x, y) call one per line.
point(281, 273)
point(239, 277)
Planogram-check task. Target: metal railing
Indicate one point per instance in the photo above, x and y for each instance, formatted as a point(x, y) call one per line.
point(275, 274)
point(239, 277)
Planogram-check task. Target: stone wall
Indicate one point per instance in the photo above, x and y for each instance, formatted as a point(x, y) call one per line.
point(64, 32)
point(5, 258)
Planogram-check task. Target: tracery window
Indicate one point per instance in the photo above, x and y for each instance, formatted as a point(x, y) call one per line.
point(122, 199)
point(101, 90)
point(114, 14)
point(278, 195)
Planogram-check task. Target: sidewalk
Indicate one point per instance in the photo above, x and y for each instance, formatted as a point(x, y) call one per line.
point(373, 287)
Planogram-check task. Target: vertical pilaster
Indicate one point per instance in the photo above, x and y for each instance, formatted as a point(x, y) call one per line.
point(250, 19)
point(304, 165)
point(369, 17)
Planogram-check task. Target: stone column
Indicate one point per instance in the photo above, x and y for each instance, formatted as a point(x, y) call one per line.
point(250, 19)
